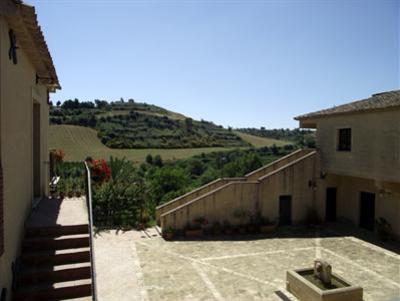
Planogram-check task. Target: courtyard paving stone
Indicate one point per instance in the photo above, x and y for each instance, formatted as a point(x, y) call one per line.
point(244, 268)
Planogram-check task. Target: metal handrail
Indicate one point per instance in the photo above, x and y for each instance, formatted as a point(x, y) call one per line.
point(90, 214)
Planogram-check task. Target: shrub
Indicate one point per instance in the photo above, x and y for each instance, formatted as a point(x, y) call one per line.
point(312, 217)
point(383, 229)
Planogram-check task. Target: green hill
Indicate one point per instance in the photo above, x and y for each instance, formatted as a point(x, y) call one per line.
point(78, 142)
point(127, 125)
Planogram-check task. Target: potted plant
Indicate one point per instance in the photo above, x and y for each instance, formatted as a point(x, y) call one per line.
point(217, 228)
point(267, 226)
point(227, 227)
point(168, 233)
point(61, 189)
point(383, 229)
point(252, 225)
point(202, 222)
point(193, 230)
point(241, 215)
point(78, 193)
point(140, 226)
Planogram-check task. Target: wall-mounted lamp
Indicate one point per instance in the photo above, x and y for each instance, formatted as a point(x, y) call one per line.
point(312, 184)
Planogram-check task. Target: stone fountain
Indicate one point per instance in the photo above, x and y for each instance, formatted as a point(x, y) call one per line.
point(320, 284)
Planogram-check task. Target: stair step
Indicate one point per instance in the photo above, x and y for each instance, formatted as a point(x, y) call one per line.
point(56, 257)
point(57, 291)
point(53, 274)
point(53, 231)
point(56, 243)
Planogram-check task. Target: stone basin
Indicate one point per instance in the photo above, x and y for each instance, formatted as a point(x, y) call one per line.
point(306, 287)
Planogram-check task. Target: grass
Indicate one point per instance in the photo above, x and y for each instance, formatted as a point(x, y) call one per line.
point(260, 141)
point(79, 142)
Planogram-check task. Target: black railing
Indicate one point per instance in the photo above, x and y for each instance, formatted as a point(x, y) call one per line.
point(90, 215)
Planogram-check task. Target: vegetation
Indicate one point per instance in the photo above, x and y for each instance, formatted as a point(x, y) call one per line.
point(78, 142)
point(127, 125)
point(303, 138)
point(130, 193)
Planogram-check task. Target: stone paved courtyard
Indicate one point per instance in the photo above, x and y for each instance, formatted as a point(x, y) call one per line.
point(132, 266)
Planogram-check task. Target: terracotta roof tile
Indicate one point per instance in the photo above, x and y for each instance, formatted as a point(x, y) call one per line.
point(377, 101)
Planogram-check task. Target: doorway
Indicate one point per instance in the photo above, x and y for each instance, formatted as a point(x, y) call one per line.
point(285, 210)
point(36, 150)
point(330, 206)
point(367, 210)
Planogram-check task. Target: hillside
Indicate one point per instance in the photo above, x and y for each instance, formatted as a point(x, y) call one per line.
point(257, 141)
point(304, 138)
point(78, 142)
point(127, 125)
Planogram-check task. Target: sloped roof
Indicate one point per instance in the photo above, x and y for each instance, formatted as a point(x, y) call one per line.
point(31, 40)
point(377, 101)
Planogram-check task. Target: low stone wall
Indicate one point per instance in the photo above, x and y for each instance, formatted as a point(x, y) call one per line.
point(255, 175)
point(192, 195)
point(217, 205)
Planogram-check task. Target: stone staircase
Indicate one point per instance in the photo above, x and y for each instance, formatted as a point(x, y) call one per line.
point(55, 263)
point(216, 200)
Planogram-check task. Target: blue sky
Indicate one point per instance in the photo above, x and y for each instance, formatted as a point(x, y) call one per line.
point(237, 63)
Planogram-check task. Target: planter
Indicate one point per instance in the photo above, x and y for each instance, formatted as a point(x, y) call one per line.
point(140, 227)
point(168, 235)
point(194, 233)
point(242, 230)
point(78, 194)
point(70, 194)
point(228, 231)
point(268, 228)
point(252, 229)
point(62, 195)
point(217, 231)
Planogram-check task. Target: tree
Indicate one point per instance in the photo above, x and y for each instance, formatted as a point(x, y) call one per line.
point(196, 167)
point(149, 159)
point(189, 124)
point(58, 103)
point(157, 161)
point(50, 103)
point(101, 103)
point(131, 100)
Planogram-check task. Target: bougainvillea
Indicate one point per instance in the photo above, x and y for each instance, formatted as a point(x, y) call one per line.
point(99, 170)
point(57, 155)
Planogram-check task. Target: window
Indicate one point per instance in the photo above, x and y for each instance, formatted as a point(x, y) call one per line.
point(344, 140)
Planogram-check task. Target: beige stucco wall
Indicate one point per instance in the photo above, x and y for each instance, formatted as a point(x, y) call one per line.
point(191, 196)
point(18, 91)
point(219, 205)
point(375, 152)
point(293, 180)
point(387, 198)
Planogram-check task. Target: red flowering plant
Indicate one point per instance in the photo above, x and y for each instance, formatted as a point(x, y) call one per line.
point(56, 158)
point(99, 170)
point(57, 155)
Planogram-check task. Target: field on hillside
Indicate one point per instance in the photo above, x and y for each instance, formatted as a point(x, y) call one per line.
point(260, 141)
point(79, 142)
